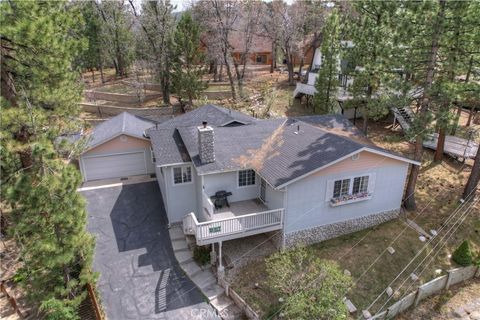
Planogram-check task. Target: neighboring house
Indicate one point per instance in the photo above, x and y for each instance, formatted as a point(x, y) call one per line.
point(118, 148)
point(260, 48)
point(310, 178)
point(345, 81)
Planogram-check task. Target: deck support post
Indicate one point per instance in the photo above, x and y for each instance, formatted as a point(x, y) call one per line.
point(213, 255)
point(221, 269)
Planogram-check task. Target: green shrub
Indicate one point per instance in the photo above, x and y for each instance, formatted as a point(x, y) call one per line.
point(463, 255)
point(310, 288)
point(201, 255)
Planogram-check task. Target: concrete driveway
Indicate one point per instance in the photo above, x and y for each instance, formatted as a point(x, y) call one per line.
point(139, 275)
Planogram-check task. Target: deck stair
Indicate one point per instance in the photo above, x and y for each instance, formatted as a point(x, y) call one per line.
point(203, 278)
point(404, 116)
point(454, 146)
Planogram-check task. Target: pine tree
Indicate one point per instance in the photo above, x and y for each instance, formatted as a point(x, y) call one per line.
point(39, 99)
point(420, 27)
point(463, 255)
point(326, 83)
point(189, 61)
point(369, 30)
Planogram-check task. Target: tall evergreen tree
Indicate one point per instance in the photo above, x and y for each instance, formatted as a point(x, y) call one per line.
point(420, 27)
point(189, 61)
point(326, 83)
point(370, 33)
point(39, 99)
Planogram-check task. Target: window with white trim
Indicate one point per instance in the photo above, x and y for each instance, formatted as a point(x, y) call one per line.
point(182, 175)
point(360, 185)
point(152, 155)
point(246, 178)
point(341, 188)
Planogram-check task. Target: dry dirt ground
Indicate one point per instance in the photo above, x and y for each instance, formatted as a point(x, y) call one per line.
point(443, 306)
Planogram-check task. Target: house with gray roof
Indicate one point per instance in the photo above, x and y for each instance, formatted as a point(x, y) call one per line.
point(118, 147)
point(225, 175)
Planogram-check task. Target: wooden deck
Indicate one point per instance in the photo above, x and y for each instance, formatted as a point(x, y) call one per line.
point(239, 208)
point(454, 146)
point(241, 219)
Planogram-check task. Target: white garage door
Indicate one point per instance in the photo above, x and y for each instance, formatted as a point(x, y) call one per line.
point(114, 166)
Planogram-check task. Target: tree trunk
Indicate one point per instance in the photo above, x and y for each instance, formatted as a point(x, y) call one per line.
point(220, 76)
point(470, 115)
point(93, 75)
point(440, 145)
point(300, 70)
point(239, 79)
point(410, 202)
point(273, 58)
point(229, 74)
point(473, 179)
point(211, 67)
point(101, 73)
point(457, 119)
point(289, 58)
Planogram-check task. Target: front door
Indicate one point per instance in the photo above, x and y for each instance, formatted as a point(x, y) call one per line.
point(263, 189)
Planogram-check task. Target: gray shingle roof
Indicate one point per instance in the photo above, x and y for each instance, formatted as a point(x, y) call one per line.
point(167, 143)
point(124, 123)
point(280, 150)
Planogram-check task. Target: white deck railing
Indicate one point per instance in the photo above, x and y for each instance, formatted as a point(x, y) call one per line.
point(232, 228)
point(207, 204)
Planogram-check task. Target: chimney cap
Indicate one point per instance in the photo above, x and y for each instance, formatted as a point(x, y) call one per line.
point(204, 123)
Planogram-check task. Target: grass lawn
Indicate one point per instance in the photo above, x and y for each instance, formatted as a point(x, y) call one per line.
point(438, 190)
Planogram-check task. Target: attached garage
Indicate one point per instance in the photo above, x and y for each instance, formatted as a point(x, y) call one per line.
point(114, 166)
point(118, 148)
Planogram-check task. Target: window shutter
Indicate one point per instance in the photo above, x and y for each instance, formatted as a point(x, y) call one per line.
point(371, 182)
point(329, 192)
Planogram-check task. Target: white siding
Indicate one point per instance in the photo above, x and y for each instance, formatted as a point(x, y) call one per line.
point(274, 199)
point(228, 181)
point(181, 198)
point(308, 207)
point(161, 183)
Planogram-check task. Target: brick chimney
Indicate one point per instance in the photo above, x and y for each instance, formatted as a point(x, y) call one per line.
point(206, 149)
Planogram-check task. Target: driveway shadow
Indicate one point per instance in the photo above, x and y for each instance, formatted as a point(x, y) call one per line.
point(140, 277)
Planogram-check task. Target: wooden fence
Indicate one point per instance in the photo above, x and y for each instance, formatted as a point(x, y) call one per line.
point(427, 289)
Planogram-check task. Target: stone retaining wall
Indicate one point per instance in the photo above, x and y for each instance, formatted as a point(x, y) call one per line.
point(322, 233)
point(103, 110)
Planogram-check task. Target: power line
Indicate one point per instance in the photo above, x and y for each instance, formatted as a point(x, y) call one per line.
point(452, 215)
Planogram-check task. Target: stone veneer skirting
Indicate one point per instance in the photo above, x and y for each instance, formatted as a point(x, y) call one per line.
point(329, 231)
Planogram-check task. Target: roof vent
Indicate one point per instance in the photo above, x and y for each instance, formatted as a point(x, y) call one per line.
point(206, 150)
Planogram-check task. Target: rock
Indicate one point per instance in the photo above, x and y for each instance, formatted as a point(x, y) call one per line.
point(459, 313)
point(389, 291)
point(347, 273)
point(470, 308)
point(433, 232)
point(391, 250)
point(414, 277)
point(366, 314)
point(475, 315)
point(422, 238)
point(438, 271)
point(351, 308)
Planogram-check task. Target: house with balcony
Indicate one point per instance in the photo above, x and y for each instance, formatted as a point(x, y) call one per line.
point(225, 175)
point(345, 80)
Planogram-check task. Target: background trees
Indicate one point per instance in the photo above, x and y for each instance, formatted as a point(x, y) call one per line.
point(39, 102)
point(189, 61)
point(326, 84)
